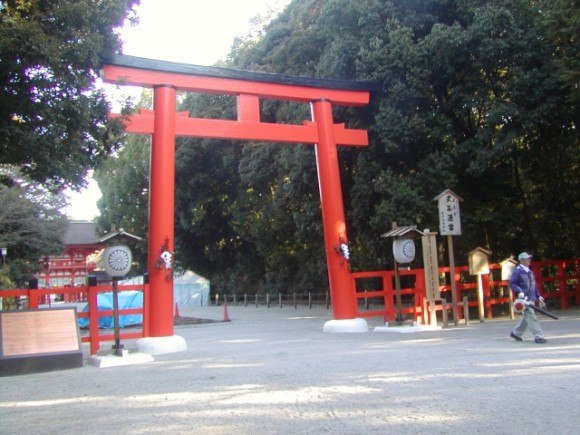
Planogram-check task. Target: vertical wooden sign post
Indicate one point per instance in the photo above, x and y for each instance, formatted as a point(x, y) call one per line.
point(450, 225)
point(431, 267)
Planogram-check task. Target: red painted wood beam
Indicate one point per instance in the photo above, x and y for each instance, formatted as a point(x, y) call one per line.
point(248, 108)
point(142, 123)
point(227, 86)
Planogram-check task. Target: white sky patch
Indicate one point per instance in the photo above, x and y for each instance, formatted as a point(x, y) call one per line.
point(198, 32)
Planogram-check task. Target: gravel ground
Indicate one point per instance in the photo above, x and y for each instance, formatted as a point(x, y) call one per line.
point(274, 371)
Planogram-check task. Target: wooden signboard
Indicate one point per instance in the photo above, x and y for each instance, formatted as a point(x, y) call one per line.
point(449, 214)
point(39, 341)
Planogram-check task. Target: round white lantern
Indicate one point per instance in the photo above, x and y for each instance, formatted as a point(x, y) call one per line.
point(404, 250)
point(117, 260)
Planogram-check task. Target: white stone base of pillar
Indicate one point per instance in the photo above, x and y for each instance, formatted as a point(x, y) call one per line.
point(346, 325)
point(161, 345)
point(407, 329)
point(103, 361)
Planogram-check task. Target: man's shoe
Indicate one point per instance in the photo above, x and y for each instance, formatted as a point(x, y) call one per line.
point(541, 340)
point(515, 337)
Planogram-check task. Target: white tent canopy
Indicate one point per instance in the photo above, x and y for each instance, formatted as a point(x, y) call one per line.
point(189, 289)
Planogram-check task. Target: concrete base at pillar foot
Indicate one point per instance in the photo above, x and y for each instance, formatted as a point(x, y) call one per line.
point(161, 345)
point(346, 325)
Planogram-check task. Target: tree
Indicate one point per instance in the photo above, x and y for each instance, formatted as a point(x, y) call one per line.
point(124, 184)
point(31, 225)
point(561, 21)
point(478, 93)
point(53, 121)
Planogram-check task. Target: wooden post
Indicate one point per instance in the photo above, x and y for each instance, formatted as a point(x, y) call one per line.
point(466, 310)
point(398, 302)
point(117, 347)
point(431, 275)
point(444, 313)
point(453, 283)
point(426, 311)
point(94, 319)
point(480, 310)
point(511, 299)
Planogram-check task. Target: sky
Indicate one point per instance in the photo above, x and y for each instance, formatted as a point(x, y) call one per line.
point(198, 32)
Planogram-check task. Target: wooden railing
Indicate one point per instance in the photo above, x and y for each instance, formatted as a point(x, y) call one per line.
point(559, 282)
point(92, 334)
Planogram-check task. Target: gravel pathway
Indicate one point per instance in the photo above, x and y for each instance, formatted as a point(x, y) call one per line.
point(273, 371)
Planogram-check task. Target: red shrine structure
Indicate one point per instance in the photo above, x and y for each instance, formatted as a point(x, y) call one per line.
point(72, 267)
point(164, 123)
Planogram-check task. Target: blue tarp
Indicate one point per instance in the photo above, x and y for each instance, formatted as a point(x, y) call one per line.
point(127, 300)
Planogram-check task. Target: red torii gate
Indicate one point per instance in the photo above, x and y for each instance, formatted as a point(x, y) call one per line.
point(164, 124)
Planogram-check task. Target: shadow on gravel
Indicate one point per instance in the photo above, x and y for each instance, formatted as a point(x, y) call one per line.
point(179, 320)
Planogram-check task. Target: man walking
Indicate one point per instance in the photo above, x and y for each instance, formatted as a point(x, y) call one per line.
point(524, 285)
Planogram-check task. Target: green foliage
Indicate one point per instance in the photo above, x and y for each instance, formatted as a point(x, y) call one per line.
point(561, 21)
point(31, 226)
point(53, 121)
point(479, 97)
point(477, 94)
point(124, 184)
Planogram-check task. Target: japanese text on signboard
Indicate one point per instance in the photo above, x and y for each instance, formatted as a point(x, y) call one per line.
point(449, 217)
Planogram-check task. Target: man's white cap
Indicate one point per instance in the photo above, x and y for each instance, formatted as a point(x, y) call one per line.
point(524, 256)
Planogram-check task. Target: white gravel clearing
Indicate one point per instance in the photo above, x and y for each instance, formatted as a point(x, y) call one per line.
point(274, 371)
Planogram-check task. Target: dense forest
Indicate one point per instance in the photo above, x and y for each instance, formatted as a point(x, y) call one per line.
point(480, 97)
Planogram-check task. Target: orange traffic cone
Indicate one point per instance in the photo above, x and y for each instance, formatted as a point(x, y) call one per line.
point(176, 311)
point(226, 316)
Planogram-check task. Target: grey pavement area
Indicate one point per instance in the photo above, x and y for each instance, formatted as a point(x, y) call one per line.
point(274, 371)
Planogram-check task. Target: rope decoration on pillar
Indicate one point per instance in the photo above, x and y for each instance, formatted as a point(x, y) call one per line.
point(343, 250)
point(165, 261)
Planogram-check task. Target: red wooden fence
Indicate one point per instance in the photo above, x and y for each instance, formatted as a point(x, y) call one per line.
point(559, 281)
point(89, 294)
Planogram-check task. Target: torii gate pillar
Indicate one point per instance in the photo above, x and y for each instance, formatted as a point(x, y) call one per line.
point(333, 220)
point(162, 209)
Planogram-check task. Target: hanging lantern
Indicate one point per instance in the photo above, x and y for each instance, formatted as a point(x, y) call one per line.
point(404, 250)
point(117, 260)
